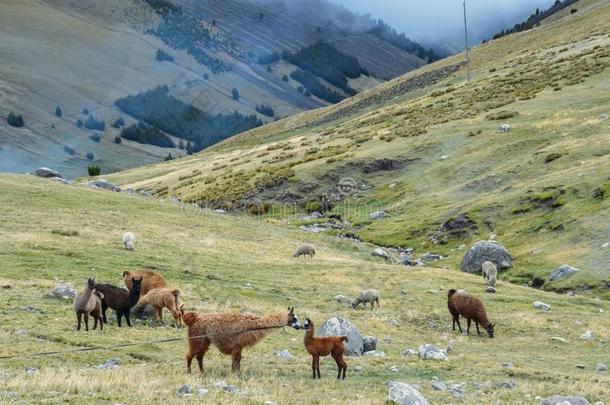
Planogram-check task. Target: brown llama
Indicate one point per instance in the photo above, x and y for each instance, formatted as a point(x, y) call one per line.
point(471, 308)
point(230, 333)
point(88, 302)
point(161, 298)
point(323, 346)
point(150, 279)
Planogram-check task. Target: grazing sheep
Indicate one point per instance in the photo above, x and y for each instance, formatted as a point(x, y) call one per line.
point(365, 296)
point(88, 302)
point(119, 299)
point(490, 273)
point(323, 346)
point(471, 308)
point(129, 240)
point(230, 333)
point(161, 298)
point(305, 249)
point(150, 280)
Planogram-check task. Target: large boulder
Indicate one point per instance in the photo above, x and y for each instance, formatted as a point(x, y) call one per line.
point(104, 184)
point(369, 343)
point(483, 251)
point(46, 173)
point(562, 272)
point(405, 394)
point(342, 327)
point(564, 400)
point(381, 252)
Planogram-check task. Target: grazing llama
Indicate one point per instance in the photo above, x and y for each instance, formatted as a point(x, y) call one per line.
point(471, 308)
point(230, 333)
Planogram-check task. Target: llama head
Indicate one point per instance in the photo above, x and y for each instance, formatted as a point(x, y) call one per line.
point(293, 320)
point(307, 325)
point(490, 330)
point(136, 285)
point(91, 283)
point(188, 318)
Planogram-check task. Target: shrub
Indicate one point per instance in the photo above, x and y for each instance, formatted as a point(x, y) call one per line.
point(168, 157)
point(235, 94)
point(118, 139)
point(92, 123)
point(312, 206)
point(119, 123)
point(58, 112)
point(94, 170)
point(68, 150)
point(14, 120)
point(85, 111)
point(315, 86)
point(265, 110)
point(90, 156)
point(285, 78)
point(164, 56)
point(65, 232)
point(79, 123)
point(269, 58)
point(95, 137)
point(147, 134)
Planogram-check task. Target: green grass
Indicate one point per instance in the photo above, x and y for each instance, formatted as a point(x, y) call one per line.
point(210, 258)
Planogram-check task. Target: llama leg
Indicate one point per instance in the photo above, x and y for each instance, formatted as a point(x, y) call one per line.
point(204, 348)
point(318, 366)
point(126, 313)
point(457, 319)
point(236, 363)
point(477, 323)
point(119, 315)
point(339, 365)
point(160, 312)
point(101, 322)
point(78, 319)
point(189, 360)
point(468, 320)
point(104, 308)
point(313, 366)
point(378, 306)
point(86, 316)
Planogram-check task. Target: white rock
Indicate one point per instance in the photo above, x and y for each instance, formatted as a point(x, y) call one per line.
point(541, 305)
point(405, 394)
point(431, 352)
point(588, 335)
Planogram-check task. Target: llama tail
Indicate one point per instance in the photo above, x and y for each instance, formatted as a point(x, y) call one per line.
point(345, 338)
point(451, 292)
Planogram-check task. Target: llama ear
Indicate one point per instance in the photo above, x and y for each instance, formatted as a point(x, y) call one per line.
point(492, 325)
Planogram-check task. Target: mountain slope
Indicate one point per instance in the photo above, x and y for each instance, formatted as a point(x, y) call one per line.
point(224, 263)
point(540, 188)
point(81, 56)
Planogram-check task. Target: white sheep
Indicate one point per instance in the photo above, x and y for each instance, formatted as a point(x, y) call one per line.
point(129, 240)
point(365, 296)
point(305, 250)
point(490, 273)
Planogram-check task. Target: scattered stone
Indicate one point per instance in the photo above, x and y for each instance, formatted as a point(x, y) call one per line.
point(430, 257)
point(581, 366)
point(183, 390)
point(61, 180)
point(220, 211)
point(457, 390)
point(541, 305)
point(342, 327)
point(270, 403)
point(492, 236)
point(202, 392)
point(284, 354)
point(491, 289)
point(374, 353)
point(378, 165)
point(387, 339)
point(369, 343)
point(409, 352)
point(588, 335)
point(47, 173)
point(403, 291)
point(381, 252)
point(504, 128)
point(143, 312)
point(394, 369)
point(604, 117)
point(510, 384)
point(431, 352)
point(30, 308)
point(343, 299)
point(483, 251)
point(104, 184)
point(559, 339)
point(601, 367)
point(31, 370)
point(564, 400)
point(394, 322)
point(358, 368)
point(378, 215)
point(444, 157)
point(461, 247)
point(562, 272)
point(405, 394)
point(64, 291)
point(439, 385)
point(605, 245)
point(109, 364)
point(507, 365)
point(223, 385)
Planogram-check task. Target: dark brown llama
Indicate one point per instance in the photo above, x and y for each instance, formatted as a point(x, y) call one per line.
point(471, 308)
point(119, 299)
point(323, 346)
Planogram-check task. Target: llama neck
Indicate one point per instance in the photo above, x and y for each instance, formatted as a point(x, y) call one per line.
point(273, 320)
point(308, 335)
point(133, 297)
point(483, 319)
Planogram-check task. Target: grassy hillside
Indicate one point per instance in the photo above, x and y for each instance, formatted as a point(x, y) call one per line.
point(234, 263)
point(538, 188)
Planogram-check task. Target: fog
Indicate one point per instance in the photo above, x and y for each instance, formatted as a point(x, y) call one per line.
point(440, 22)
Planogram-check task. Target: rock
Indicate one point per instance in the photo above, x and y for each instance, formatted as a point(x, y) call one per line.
point(104, 184)
point(492, 236)
point(444, 157)
point(31, 370)
point(381, 252)
point(564, 400)
point(220, 211)
point(559, 339)
point(47, 173)
point(456, 390)
point(439, 385)
point(378, 215)
point(358, 368)
point(378, 165)
point(409, 352)
point(174, 200)
point(581, 366)
point(491, 289)
point(143, 312)
point(431, 352)
point(369, 343)
point(510, 384)
point(403, 291)
point(605, 245)
point(601, 367)
point(604, 117)
point(504, 128)
point(61, 180)
point(374, 353)
point(223, 385)
point(183, 390)
point(562, 272)
point(483, 251)
point(64, 291)
point(109, 364)
point(202, 392)
point(541, 305)
point(342, 327)
point(404, 258)
point(394, 322)
point(507, 365)
point(405, 394)
point(414, 263)
point(343, 299)
point(430, 257)
point(588, 335)
point(284, 354)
